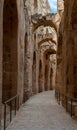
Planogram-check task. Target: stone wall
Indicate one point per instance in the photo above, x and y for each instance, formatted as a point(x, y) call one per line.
point(67, 50)
point(13, 49)
point(71, 47)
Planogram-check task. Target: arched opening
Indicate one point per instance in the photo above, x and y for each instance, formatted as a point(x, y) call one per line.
point(25, 68)
point(46, 78)
point(35, 37)
point(10, 58)
point(40, 76)
point(34, 74)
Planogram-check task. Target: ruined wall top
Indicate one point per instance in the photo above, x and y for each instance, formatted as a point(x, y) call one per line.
point(60, 5)
point(37, 7)
point(43, 7)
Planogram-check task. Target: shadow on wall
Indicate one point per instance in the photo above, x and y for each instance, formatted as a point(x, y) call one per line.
point(10, 61)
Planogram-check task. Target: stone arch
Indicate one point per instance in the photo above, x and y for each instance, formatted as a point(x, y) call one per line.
point(49, 52)
point(46, 40)
point(10, 58)
point(40, 77)
point(39, 20)
point(34, 73)
point(44, 23)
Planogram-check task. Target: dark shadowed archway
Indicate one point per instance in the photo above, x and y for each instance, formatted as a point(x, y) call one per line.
point(34, 73)
point(25, 68)
point(46, 78)
point(40, 76)
point(51, 74)
point(10, 57)
point(73, 40)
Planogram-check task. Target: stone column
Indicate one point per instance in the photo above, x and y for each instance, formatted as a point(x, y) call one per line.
point(21, 43)
point(28, 65)
point(53, 78)
point(30, 59)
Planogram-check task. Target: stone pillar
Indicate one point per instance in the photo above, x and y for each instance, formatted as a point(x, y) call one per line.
point(28, 65)
point(53, 78)
point(21, 43)
point(58, 76)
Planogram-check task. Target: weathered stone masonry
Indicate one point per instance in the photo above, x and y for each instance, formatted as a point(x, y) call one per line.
point(37, 48)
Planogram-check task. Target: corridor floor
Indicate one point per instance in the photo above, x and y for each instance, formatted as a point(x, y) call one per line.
point(42, 112)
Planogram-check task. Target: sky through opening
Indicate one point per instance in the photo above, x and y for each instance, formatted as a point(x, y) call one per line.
point(53, 5)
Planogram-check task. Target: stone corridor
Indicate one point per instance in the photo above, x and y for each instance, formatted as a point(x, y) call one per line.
point(38, 54)
point(41, 112)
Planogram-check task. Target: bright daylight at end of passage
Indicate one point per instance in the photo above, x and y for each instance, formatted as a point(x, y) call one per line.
point(53, 5)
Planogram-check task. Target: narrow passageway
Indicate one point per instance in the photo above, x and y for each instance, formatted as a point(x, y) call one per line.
point(41, 112)
point(38, 53)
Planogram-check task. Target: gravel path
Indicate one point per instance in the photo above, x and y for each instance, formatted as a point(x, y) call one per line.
point(42, 112)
